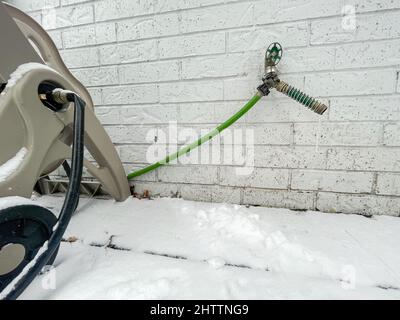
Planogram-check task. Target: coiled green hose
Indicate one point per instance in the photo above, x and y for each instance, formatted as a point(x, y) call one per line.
point(301, 97)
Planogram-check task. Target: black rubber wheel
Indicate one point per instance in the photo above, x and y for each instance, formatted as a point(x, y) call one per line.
point(27, 227)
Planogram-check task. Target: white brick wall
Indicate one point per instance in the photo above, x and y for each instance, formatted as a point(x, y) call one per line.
point(147, 63)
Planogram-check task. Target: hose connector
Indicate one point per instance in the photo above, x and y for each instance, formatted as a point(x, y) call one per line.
point(301, 97)
point(63, 96)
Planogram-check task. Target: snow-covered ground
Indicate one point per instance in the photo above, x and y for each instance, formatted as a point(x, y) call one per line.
point(176, 249)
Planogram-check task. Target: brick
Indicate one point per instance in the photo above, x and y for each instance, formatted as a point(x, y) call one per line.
point(372, 5)
point(37, 4)
point(134, 154)
point(196, 192)
point(369, 27)
point(68, 2)
point(240, 89)
point(289, 35)
point(308, 59)
point(128, 52)
point(270, 11)
point(198, 112)
point(391, 134)
point(352, 182)
point(290, 157)
point(271, 134)
point(334, 134)
point(55, 35)
point(237, 155)
point(225, 110)
point(95, 93)
point(89, 35)
point(364, 159)
point(216, 66)
point(67, 16)
point(86, 57)
point(388, 183)
point(373, 108)
point(156, 189)
point(97, 76)
point(279, 198)
point(192, 45)
point(191, 91)
point(259, 178)
point(219, 17)
point(359, 55)
point(105, 32)
point(361, 204)
point(226, 194)
point(147, 177)
point(148, 114)
point(149, 72)
point(118, 9)
point(133, 134)
point(210, 193)
point(136, 94)
point(163, 6)
point(188, 174)
point(108, 115)
point(148, 27)
point(350, 83)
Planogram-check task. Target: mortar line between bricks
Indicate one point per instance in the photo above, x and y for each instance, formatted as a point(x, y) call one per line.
point(241, 124)
point(241, 100)
point(160, 11)
point(226, 28)
point(287, 146)
point(276, 168)
point(298, 191)
point(220, 55)
point(244, 28)
point(224, 3)
point(166, 103)
point(177, 81)
point(115, 42)
point(230, 77)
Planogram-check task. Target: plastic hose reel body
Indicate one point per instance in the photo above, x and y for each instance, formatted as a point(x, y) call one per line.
point(29, 124)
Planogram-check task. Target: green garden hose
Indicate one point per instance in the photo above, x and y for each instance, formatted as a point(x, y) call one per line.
point(270, 80)
point(301, 97)
point(201, 140)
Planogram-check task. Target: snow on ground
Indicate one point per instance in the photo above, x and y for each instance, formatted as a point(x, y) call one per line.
point(176, 249)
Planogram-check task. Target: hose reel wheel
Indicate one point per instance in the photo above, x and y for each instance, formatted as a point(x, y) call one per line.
point(23, 231)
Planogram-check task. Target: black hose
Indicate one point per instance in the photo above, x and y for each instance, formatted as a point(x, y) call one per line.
point(69, 205)
point(67, 169)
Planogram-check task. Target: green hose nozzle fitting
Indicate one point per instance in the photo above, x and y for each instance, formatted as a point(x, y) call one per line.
point(301, 97)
